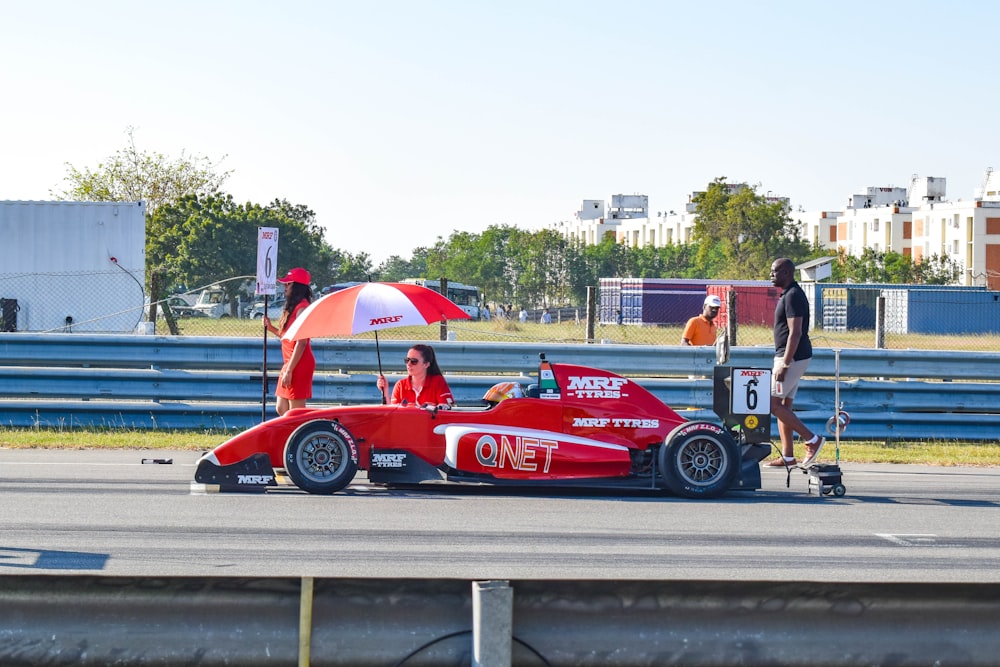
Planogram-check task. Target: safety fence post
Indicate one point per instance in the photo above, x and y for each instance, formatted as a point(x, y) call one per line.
point(492, 623)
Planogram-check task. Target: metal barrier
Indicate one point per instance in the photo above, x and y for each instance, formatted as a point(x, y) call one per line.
point(72, 380)
point(279, 621)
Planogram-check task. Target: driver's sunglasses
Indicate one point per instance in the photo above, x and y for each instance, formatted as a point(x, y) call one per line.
point(412, 360)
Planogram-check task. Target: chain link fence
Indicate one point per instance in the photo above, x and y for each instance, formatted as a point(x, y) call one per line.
point(845, 316)
point(72, 302)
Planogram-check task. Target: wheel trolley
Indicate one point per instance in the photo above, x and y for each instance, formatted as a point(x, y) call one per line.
point(827, 478)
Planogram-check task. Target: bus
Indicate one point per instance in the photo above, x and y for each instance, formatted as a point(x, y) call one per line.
point(465, 296)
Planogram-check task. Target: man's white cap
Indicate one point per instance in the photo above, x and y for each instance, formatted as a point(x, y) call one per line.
point(713, 300)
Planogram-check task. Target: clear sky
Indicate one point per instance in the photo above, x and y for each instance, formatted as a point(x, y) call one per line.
point(399, 122)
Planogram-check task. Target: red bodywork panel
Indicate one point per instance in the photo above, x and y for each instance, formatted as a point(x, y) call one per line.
point(586, 424)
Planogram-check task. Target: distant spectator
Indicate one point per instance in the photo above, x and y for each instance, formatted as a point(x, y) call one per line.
point(546, 317)
point(523, 316)
point(702, 330)
point(618, 316)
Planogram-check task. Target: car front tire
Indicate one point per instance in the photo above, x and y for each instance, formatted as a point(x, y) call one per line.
point(321, 457)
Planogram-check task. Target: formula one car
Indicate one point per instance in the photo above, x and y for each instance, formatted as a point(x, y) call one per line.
point(578, 426)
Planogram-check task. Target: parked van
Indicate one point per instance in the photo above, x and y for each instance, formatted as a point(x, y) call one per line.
point(213, 302)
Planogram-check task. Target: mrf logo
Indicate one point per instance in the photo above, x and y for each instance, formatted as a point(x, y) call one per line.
point(389, 319)
point(615, 422)
point(388, 460)
point(517, 453)
point(596, 386)
point(254, 480)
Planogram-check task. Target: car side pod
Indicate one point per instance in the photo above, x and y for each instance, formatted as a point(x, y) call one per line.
point(251, 475)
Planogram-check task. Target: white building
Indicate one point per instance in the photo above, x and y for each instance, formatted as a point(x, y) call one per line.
point(965, 231)
point(921, 222)
point(591, 224)
point(917, 221)
point(817, 227)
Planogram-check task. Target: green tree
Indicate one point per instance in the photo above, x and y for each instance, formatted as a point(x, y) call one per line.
point(202, 240)
point(132, 174)
point(880, 266)
point(740, 232)
point(496, 271)
point(396, 268)
point(937, 270)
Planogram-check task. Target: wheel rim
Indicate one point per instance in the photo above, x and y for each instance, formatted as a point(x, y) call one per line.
point(702, 461)
point(322, 457)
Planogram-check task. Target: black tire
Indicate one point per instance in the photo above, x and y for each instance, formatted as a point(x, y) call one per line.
point(321, 457)
point(839, 490)
point(699, 460)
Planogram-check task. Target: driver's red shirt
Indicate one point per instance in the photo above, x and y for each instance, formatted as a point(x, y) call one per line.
point(435, 390)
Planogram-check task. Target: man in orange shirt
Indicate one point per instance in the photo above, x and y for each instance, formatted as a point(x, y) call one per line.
point(701, 330)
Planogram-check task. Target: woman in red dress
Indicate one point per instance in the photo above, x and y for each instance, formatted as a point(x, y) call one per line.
point(295, 381)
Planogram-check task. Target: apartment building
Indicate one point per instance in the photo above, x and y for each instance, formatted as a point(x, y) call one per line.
point(918, 221)
point(966, 231)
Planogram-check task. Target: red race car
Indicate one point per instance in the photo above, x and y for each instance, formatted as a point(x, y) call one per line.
point(578, 426)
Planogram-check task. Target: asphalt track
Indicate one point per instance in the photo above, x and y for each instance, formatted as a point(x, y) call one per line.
point(107, 513)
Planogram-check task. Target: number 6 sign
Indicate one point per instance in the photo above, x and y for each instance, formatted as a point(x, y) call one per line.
point(267, 260)
point(751, 391)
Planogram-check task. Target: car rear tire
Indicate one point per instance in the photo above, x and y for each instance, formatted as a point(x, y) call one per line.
point(321, 457)
point(699, 460)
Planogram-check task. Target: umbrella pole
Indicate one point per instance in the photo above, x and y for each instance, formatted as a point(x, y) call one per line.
point(263, 397)
point(378, 355)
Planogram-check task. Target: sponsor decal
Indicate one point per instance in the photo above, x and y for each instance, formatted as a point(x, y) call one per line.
point(750, 421)
point(382, 460)
point(517, 453)
point(389, 319)
point(598, 386)
point(254, 480)
point(699, 426)
point(615, 422)
point(750, 372)
point(348, 438)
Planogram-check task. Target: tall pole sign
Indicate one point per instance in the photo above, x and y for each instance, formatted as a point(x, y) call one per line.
point(267, 260)
point(267, 280)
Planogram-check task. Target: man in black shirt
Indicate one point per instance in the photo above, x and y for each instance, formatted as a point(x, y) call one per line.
point(792, 353)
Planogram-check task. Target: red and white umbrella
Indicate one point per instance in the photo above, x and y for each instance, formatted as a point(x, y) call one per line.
point(373, 307)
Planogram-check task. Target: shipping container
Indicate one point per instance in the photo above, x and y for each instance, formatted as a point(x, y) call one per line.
point(942, 311)
point(755, 302)
point(654, 301)
point(609, 300)
point(849, 308)
point(852, 306)
point(673, 301)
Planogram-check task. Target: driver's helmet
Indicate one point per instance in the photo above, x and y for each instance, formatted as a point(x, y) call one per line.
point(501, 391)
